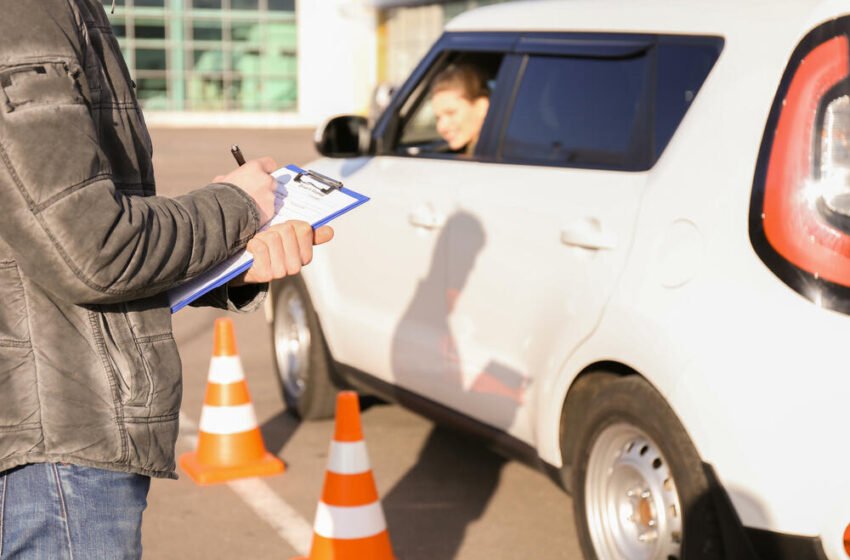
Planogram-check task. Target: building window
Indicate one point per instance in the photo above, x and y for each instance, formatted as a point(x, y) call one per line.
point(210, 55)
point(407, 32)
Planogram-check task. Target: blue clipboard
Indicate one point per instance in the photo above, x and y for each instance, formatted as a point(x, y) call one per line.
point(223, 273)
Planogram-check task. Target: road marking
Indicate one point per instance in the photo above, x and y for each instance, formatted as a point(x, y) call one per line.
point(271, 508)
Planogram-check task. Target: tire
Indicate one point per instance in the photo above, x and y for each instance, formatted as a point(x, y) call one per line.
point(639, 488)
point(301, 359)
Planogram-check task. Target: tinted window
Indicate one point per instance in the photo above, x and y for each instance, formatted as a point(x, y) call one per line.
point(584, 111)
point(682, 68)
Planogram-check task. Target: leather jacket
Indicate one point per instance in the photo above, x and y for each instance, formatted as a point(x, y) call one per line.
point(89, 370)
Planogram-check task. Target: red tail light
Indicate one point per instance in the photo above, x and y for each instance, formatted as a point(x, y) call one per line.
point(847, 540)
point(800, 212)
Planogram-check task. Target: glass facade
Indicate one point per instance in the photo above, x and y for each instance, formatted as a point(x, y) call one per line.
point(210, 55)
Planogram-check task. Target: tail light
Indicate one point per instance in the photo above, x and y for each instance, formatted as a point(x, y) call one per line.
point(847, 540)
point(800, 210)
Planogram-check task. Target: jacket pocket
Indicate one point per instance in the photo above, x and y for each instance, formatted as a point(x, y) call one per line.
point(143, 355)
point(14, 327)
point(150, 323)
point(124, 356)
point(41, 83)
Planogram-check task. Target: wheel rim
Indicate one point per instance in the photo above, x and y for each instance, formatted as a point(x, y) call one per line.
point(291, 341)
point(632, 505)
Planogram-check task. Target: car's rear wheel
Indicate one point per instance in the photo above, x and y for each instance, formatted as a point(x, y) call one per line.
point(639, 489)
point(301, 357)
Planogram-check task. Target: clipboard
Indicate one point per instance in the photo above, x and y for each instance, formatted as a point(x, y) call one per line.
point(302, 194)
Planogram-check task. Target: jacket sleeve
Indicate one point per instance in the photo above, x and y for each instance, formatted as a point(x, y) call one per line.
point(243, 299)
point(72, 231)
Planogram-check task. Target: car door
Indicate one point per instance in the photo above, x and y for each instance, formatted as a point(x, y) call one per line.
point(380, 291)
point(547, 226)
point(382, 287)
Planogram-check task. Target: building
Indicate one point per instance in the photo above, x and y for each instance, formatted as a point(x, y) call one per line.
point(271, 62)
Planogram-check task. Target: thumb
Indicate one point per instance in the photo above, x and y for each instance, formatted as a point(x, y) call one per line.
point(323, 235)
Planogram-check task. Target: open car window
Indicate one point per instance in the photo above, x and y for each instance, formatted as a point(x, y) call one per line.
point(419, 134)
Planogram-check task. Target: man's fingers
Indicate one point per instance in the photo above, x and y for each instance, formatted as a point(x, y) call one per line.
point(323, 235)
point(277, 254)
point(290, 246)
point(283, 250)
point(260, 268)
point(304, 237)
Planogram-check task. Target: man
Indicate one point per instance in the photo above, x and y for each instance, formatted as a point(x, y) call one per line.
point(90, 378)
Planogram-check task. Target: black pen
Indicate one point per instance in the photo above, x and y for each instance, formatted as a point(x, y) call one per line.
point(237, 154)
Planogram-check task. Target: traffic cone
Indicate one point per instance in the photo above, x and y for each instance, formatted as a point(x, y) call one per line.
point(230, 444)
point(350, 523)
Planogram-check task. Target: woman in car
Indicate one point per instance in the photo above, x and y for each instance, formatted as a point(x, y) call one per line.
point(460, 101)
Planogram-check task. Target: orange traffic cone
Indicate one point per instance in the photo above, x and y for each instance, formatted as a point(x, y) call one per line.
point(230, 444)
point(350, 523)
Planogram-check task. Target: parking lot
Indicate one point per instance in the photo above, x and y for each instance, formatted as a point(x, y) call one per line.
point(444, 495)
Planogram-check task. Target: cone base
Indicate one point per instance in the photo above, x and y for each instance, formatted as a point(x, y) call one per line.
point(376, 547)
point(205, 474)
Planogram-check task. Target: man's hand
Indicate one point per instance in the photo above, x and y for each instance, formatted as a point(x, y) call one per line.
point(254, 179)
point(282, 250)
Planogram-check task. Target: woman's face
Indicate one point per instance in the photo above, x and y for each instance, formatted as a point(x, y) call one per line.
point(459, 120)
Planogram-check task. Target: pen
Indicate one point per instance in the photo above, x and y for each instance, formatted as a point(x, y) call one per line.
point(237, 154)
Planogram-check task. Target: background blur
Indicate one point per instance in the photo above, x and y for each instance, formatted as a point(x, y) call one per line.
point(272, 62)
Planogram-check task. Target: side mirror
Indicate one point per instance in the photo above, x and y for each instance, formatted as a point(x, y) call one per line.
point(344, 136)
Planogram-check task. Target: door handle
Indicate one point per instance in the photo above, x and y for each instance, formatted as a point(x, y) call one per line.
point(588, 234)
point(425, 217)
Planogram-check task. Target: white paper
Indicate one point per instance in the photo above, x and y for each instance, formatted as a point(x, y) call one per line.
point(294, 200)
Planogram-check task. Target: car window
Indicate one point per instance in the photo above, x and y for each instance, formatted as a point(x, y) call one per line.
point(683, 65)
point(579, 110)
point(443, 119)
point(598, 101)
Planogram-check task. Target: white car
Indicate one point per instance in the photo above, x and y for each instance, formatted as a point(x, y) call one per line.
point(640, 277)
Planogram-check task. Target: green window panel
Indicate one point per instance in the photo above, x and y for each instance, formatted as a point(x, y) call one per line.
point(206, 4)
point(153, 92)
point(244, 5)
point(206, 93)
point(210, 55)
point(207, 60)
point(207, 31)
point(151, 59)
point(149, 28)
point(244, 31)
point(119, 27)
point(282, 5)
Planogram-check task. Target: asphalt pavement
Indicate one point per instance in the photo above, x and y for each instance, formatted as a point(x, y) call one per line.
point(445, 495)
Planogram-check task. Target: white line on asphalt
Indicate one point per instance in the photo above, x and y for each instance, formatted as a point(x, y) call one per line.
point(271, 508)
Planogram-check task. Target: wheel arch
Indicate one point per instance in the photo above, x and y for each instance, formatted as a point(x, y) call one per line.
point(589, 380)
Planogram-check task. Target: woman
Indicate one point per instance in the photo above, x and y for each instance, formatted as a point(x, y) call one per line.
point(460, 101)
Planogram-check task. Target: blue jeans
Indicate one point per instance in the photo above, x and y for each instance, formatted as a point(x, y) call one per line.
point(66, 512)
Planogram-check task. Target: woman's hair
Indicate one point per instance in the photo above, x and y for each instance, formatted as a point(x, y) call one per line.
point(466, 78)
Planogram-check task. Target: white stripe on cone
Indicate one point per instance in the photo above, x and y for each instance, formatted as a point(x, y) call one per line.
point(358, 522)
point(348, 457)
point(225, 369)
point(227, 419)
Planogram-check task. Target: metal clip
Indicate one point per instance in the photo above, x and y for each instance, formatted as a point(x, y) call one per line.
point(329, 184)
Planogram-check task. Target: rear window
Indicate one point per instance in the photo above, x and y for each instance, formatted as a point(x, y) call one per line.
point(579, 110)
point(682, 68)
point(603, 111)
